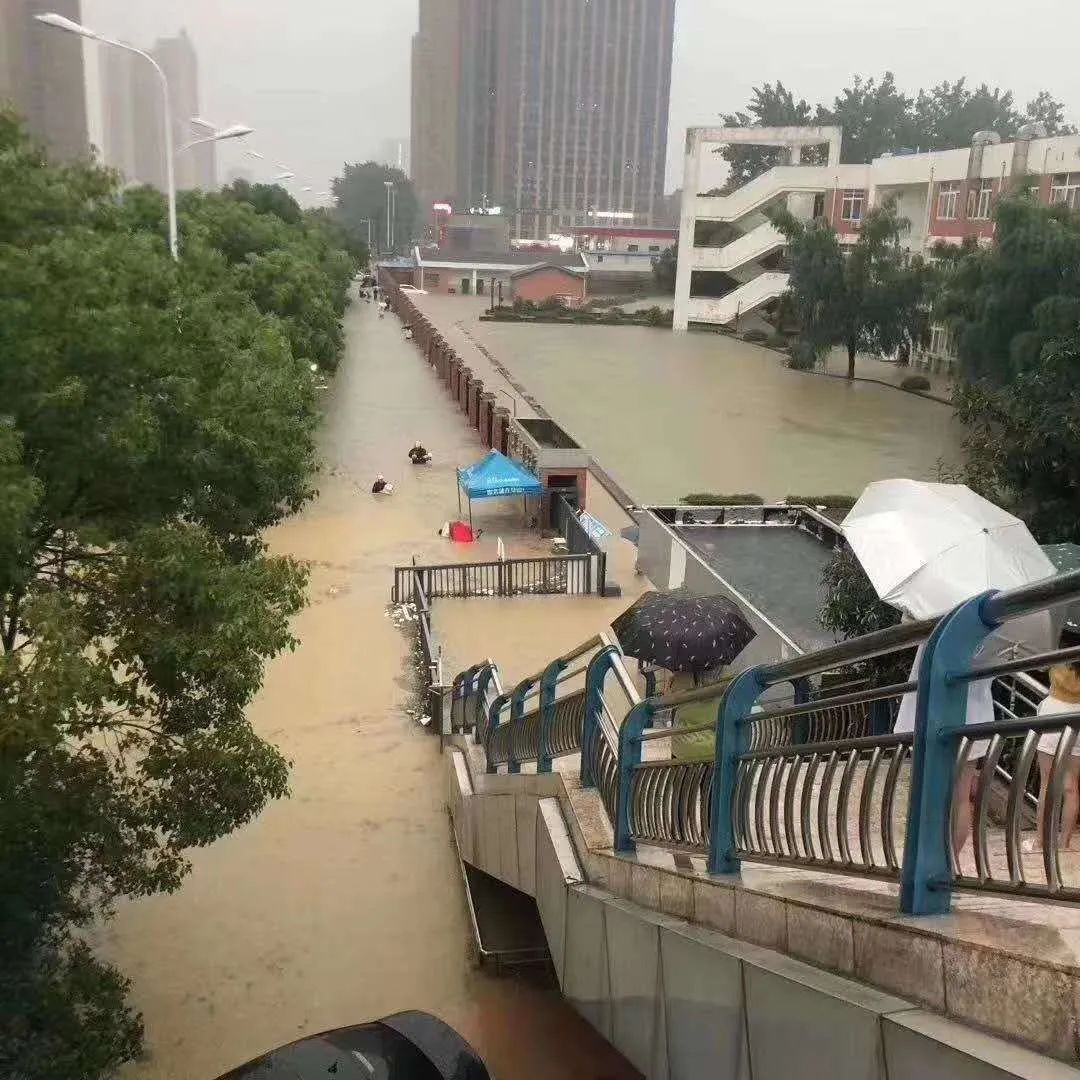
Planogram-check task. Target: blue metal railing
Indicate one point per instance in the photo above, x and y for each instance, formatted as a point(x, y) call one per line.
point(805, 781)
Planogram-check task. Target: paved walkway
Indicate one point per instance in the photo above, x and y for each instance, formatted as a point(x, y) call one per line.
point(344, 902)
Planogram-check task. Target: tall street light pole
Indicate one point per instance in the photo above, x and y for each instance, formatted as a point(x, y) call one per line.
point(389, 185)
point(60, 23)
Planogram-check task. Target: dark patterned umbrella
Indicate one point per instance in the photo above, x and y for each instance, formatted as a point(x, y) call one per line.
point(681, 631)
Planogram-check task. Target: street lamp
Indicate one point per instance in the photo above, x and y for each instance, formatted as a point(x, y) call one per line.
point(235, 131)
point(58, 22)
point(285, 175)
point(389, 185)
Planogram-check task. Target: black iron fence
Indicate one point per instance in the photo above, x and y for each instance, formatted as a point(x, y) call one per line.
point(559, 574)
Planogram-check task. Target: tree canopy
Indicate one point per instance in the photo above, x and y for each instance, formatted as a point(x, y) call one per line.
point(1005, 303)
point(872, 299)
point(155, 417)
point(878, 117)
point(360, 197)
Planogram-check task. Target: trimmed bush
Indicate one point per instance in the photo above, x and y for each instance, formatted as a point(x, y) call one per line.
point(831, 502)
point(657, 316)
point(708, 498)
point(918, 383)
point(755, 336)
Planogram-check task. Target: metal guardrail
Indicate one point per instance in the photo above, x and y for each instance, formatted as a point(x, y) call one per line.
point(578, 541)
point(547, 575)
point(801, 783)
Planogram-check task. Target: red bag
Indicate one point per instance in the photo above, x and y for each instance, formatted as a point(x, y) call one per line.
point(461, 532)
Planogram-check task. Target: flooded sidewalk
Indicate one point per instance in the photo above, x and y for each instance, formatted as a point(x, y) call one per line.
point(344, 902)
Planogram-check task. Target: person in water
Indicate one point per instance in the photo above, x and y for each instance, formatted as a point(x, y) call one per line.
point(380, 486)
point(418, 455)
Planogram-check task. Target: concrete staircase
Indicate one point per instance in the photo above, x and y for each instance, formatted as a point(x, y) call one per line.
point(740, 301)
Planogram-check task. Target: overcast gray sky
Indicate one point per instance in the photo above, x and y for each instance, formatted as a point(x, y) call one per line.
point(326, 81)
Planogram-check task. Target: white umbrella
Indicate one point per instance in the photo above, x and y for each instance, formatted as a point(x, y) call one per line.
point(928, 547)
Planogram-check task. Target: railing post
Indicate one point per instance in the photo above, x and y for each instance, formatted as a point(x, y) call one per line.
point(940, 708)
point(492, 724)
point(597, 671)
point(731, 741)
point(637, 720)
point(487, 673)
point(548, 687)
point(517, 711)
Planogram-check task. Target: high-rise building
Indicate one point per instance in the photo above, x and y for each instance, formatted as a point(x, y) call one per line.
point(42, 75)
point(195, 168)
point(554, 110)
point(119, 107)
point(133, 127)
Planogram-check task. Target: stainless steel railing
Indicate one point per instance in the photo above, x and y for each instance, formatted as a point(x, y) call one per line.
point(804, 782)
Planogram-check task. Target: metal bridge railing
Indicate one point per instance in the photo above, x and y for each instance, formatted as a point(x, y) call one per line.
point(810, 780)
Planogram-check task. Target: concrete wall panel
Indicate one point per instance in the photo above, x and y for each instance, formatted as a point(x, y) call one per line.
point(919, 1044)
point(633, 945)
point(550, 893)
point(810, 1024)
point(703, 1006)
point(526, 843)
point(586, 985)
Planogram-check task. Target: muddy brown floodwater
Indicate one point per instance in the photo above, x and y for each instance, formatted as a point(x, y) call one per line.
point(668, 414)
point(344, 902)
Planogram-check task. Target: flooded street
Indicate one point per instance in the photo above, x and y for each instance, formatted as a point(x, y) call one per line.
point(668, 414)
point(344, 902)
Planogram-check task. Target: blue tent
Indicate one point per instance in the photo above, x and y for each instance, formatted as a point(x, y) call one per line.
point(496, 476)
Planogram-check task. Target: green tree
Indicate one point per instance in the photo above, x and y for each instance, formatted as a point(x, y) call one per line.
point(770, 105)
point(360, 196)
point(1023, 437)
point(266, 199)
point(870, 299)
point(153, 421)
point(875, 116)
point(664, 267)
point(1007, 302)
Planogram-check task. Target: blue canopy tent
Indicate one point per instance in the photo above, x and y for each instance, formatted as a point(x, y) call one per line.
point(495, 476)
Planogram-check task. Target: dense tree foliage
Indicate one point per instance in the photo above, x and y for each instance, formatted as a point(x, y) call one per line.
point(1014, 309)
point(360, 197)
point(871, 299)
point(1005, 303)
point(155, 417)
point(877, 117)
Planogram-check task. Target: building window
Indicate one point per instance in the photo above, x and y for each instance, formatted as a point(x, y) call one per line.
point(1065, 190)
point(631, 247)
point(431, 279)
point(852, 207)
point(948, 201)
point(654, 247)
point(979, 199)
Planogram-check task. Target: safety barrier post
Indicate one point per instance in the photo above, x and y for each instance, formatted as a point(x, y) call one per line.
point(940, 709)
point(548, 685)
point(483, 680)
point(492, 724)
point(517, 712)
point(732, 738)
point(637, 720)
point(597, 671)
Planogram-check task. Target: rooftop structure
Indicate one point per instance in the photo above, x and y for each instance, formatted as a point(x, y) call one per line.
point(946, 195)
